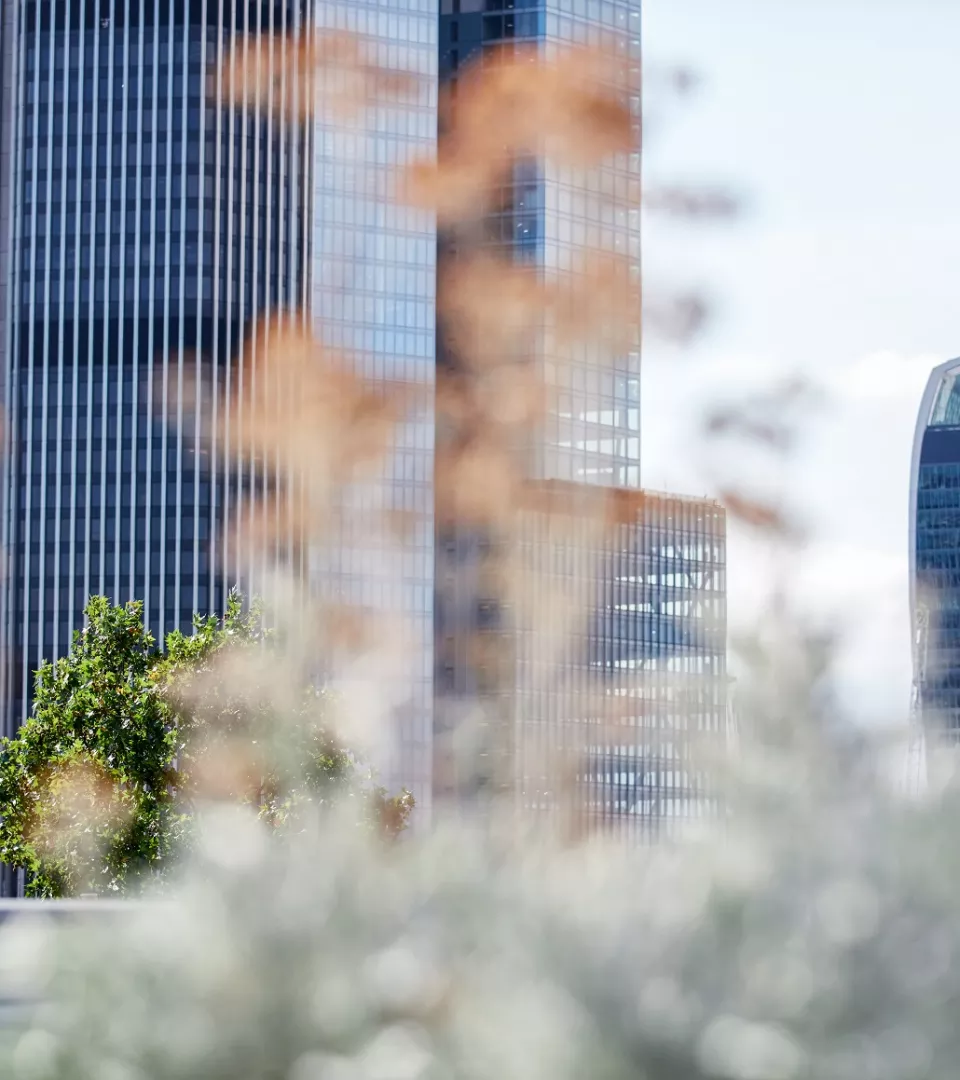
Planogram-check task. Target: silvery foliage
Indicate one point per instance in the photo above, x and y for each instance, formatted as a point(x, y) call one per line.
point(814, 933)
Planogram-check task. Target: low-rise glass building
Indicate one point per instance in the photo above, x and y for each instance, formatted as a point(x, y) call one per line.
point(588, 660)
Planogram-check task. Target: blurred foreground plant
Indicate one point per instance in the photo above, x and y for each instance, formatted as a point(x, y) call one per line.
point(809, 933)
point(814, 933)
point(99, 788)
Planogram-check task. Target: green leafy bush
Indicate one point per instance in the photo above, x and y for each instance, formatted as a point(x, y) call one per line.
point(99, 788)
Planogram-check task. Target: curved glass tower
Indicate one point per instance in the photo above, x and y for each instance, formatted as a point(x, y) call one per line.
point(141, 224)
point(935, 558)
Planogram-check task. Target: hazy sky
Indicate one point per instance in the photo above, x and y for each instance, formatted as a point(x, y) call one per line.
point(838, 123)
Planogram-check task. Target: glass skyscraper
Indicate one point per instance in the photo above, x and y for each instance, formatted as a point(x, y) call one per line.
point(373, 301)
point(143, 225)
point(935, 560)
point(612, 714)
point(549, 214)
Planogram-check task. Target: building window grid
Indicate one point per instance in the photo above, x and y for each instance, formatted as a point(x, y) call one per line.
point(557, 214)
point(373, 292)
point(677, 787)
point(938, 581)
point(54, 289)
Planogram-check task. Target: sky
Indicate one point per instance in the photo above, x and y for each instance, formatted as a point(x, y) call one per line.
point(836, 124)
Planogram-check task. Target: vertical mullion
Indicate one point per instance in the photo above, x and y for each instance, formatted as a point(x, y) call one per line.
point(231, 471)
point(31, 386)
point(220, 206)
point(258, 468)
point(306, 142)
point(77, 194)
point(24, 433)
point(181, 304)
point(106, 360)
point(248, 346)
point(45, 602)
point(137, 536)
point(10, 80)
point(61, 614)
point(203, 307)
point(165, 356)
point(154, 472)
point(89, 291)
point(121, 593)
point(273, 142)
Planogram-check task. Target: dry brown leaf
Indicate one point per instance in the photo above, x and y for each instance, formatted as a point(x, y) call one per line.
point(491, 309)
point(452, 186)
point(571, 108)
point(688, 202)
point(298, 415)
point(270, 525)
point(674, 318)
point(402, 524)
point(512, 396)
point(292, 73)
point(227, 771)
point(770, 418)
point(520, 100)
point(600, 303)
point(298, 406)
point(736, 420)
point(260, 70)
point(476, 482)
point(454, 397)
point(582, 504)
point(759, 515)
point(368, 432)
point(495, 310)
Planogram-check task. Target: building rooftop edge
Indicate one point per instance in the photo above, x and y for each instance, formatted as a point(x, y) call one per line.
point(597, 491)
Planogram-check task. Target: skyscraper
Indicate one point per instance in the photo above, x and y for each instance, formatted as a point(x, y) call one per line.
point(549, 213)
point(373, 301)
point(145, 225)
point(935, 560)
point(615, 708)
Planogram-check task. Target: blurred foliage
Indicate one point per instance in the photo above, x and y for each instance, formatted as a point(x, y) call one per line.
point(99, 788)
point(811, 935)
point(86, 787)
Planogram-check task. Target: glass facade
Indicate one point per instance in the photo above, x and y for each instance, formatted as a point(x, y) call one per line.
point(649, 657)
point(590, 680)
point(935, 559)
point(600, 674)
point(373, 301)
point(550, 215)
point(146, 226)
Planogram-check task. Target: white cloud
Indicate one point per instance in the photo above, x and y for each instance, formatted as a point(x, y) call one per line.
point(856, 593)
point(883, 375)
point(847, 481)
point(864, 593)
point(846, 574)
